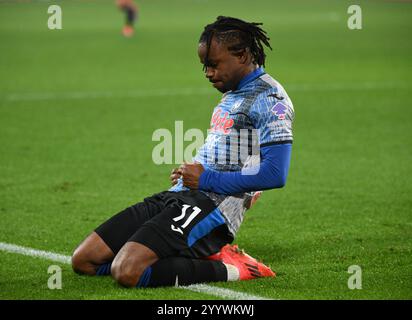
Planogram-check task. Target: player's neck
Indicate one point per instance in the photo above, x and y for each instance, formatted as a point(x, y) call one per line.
point(247, 72)
point(249, 69)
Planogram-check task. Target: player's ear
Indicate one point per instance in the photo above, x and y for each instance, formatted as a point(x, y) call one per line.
point(243, 55)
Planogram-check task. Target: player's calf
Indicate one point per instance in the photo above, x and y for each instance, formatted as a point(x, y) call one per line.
point(90, 255)
point(131, 263)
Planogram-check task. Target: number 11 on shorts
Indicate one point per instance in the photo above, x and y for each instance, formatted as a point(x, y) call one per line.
point(196, 211)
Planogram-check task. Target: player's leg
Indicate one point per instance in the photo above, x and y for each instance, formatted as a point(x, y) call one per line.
point(95, 253)
point(138, 266)
point(129, 265)
point(191, 267)
point(168, 249)
point(172, 247)
point(90, 254)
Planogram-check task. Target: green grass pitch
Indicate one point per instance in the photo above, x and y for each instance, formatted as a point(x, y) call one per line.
point(78, 108)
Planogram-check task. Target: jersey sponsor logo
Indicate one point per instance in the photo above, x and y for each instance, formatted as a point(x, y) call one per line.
point(279, 109)
point(221, 123)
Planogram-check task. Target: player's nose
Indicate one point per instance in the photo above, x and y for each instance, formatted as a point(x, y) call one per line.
point(209, 73)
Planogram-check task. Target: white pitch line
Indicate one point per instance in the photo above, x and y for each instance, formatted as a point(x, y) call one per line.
point(316, 87)
point(222, 292)
point(201, 288)
point(35, 253)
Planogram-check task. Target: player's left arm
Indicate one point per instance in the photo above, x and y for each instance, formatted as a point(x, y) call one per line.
point(273, 117)
point(271, 174)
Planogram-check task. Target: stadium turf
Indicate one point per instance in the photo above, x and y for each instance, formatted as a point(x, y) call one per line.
point(78, 108)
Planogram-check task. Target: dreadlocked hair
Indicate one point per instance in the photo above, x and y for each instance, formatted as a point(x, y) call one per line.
point(238, 35)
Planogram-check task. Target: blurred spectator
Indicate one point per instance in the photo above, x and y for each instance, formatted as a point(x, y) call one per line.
point(130, 10)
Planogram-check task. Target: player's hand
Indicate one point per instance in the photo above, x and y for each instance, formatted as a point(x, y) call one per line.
point(191, 173)
point(254, 198)
point(175, 175)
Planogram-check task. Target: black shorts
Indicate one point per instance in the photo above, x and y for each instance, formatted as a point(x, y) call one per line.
point(183, 223)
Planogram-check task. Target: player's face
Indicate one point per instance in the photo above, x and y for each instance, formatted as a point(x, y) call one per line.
point(224, 69)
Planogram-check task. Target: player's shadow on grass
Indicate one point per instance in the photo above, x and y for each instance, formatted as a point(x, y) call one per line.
point(271, 253)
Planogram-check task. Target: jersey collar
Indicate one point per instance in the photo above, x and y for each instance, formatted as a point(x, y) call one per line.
point(250, 77)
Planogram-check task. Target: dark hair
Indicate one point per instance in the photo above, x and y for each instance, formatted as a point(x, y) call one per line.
point(238, 35)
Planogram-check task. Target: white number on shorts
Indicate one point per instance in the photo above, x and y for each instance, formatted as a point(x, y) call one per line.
point(196, 211)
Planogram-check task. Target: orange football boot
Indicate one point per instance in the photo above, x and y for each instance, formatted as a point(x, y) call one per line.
point(249, 267)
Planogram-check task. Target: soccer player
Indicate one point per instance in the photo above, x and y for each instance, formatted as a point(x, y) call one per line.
point(131, 11)
point(183, 235)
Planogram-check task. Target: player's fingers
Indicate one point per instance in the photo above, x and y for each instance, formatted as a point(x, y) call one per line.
point(175, 170)
point(175, 176)
point(257, 195)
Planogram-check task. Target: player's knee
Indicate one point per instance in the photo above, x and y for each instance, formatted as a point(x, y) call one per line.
point(77, 263)
point(80, 263)
point(125, 273)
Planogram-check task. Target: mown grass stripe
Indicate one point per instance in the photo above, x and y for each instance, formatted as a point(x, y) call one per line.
point(42, 96)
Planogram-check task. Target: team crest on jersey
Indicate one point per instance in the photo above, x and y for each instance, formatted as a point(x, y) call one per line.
point(221, 123)
point(279, 109)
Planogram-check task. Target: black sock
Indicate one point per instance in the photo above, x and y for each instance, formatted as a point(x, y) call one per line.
point(104, 269)
point(182, 271)
point(130, 15)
